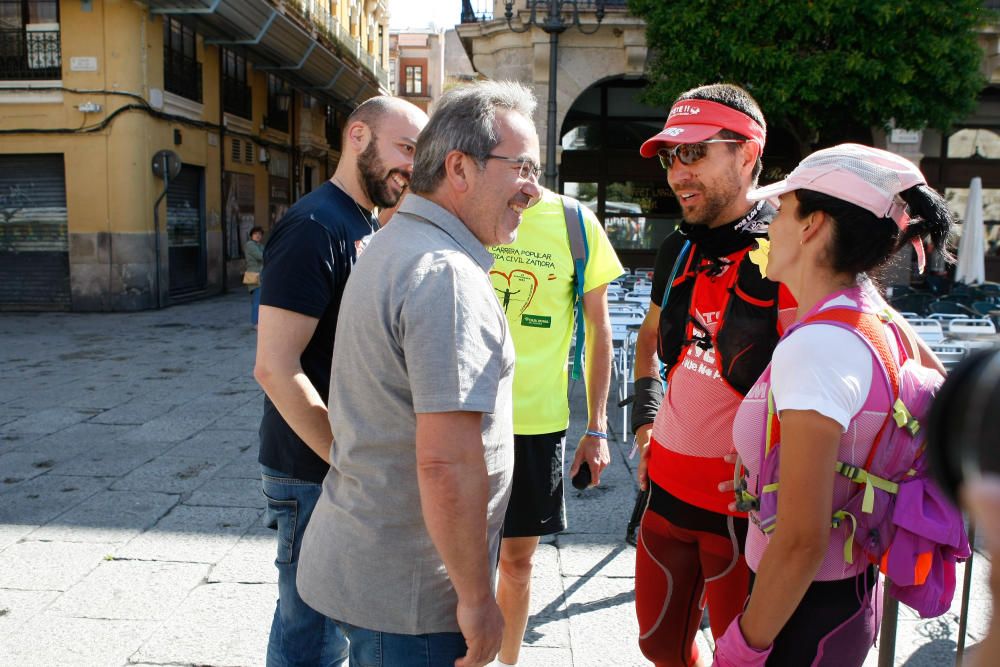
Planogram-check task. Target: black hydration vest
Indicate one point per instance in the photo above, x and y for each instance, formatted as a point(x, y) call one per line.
point(747, 331)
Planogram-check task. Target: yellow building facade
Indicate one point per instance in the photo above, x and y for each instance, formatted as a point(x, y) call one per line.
point(241, 101)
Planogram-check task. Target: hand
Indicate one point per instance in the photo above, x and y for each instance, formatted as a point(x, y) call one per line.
point(595, 452)
point(642, 437)
point(728, 485)
point(482, 628)
point(732, 649)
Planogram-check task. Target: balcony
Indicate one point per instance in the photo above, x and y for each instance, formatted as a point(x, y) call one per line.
point(479, 11)
point(237, 98)
point(28, 55)
point(296, 40)
point(181, 75)
point(316, 13)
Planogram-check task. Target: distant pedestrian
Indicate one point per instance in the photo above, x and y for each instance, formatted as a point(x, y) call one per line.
point(254, 252)
point(402, 547)
point(307, 262)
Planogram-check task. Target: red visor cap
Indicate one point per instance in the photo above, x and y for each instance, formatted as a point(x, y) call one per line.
point(691, 121)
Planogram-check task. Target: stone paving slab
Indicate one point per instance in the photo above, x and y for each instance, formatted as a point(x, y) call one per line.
point(218, 624)
point(39, 500)
point(231, 492)
point(170, 474)
point(250, 561)
point(131, 590)
point(108, 458)
point(49, 566)
point(109, 517)
point(219, 444)
point(18, 607)
point(55, 641)
point(191, 535)
point(585, 555)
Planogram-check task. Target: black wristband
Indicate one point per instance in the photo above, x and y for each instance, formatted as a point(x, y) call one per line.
point(648, 394)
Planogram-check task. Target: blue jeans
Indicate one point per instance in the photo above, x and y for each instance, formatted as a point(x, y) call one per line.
point(300, 635)
point(371, 648)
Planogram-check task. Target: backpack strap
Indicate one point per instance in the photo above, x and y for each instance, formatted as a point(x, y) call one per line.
point(577, 232)
point(871, 328)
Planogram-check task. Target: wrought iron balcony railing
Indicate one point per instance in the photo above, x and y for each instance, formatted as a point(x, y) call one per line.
point(237, 98)
point(181, 75)
point(30, 55)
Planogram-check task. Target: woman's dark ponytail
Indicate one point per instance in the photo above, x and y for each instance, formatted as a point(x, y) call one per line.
point(930, 219)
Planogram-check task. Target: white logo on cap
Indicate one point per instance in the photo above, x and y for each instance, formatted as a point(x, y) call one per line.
point(685, 110)
point(673, 131)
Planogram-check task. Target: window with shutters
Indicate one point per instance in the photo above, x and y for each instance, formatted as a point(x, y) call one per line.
point(30, 40)
point(237, 97)
point(181, 69)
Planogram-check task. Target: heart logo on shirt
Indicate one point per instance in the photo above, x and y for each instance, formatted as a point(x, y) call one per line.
point(517, 287)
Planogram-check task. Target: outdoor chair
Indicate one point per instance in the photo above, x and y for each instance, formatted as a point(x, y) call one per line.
point(942, 307)
point(928, 329)
point(973, 328)
point(948, 353)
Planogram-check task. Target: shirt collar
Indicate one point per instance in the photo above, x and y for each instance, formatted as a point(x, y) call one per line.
point(443, 219)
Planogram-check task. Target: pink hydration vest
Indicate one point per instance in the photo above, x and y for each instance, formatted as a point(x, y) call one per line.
point(885, 508)
point(756, 429)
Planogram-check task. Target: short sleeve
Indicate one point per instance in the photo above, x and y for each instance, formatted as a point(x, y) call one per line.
point(453, 334)
point(603, 264)
point(824, 368)
point(299, 268)
point(665, 258)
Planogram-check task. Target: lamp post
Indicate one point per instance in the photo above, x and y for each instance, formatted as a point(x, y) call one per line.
point(553, 24)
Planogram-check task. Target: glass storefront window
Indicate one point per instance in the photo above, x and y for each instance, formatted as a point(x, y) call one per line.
point(637, 216)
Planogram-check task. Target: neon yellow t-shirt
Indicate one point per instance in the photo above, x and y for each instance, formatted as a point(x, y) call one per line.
point(533, 280)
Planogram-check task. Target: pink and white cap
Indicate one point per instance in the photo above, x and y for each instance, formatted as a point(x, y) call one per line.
point(861, 175)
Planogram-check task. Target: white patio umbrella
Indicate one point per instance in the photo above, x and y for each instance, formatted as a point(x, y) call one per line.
point(971, 268)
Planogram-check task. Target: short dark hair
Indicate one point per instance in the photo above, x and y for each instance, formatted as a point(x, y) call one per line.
point(864, 242)
point(254, 230)
point(733, 97)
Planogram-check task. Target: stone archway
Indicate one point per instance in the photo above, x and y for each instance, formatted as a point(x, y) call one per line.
point(618, 48)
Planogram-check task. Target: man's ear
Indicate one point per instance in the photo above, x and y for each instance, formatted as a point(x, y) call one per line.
point(751, 150)
point(358, 135)
point(456, 169)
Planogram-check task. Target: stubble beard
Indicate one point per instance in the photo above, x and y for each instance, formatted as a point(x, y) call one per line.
point(715, 201)
point(373, 177)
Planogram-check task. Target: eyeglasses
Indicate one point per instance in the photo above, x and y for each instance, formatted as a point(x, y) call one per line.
point(529, 170)
point(690, 153)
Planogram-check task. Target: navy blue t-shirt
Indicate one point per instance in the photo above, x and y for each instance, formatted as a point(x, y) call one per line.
point(307, 262)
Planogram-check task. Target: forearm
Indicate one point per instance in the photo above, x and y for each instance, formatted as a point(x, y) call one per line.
point(454, 496)
point(301, 406)
point(600, 353)
point(785, 573)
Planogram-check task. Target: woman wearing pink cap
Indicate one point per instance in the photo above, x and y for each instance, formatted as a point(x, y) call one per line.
point(843, 213)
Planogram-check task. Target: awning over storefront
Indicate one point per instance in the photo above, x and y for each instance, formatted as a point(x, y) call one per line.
point(308, 48)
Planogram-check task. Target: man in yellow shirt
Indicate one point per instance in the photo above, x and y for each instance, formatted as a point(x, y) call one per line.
point(533, 280)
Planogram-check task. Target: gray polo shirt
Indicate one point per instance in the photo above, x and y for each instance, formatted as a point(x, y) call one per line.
point(420, 331)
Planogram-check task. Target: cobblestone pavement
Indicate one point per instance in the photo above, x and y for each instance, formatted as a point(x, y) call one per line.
point(130, 510)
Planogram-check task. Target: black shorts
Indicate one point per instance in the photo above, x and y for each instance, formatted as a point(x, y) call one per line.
point(536, 503)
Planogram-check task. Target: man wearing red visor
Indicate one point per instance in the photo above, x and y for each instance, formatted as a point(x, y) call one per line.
point(713, 321)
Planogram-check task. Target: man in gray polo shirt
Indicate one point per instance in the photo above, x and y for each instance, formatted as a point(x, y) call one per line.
point(401, 549)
